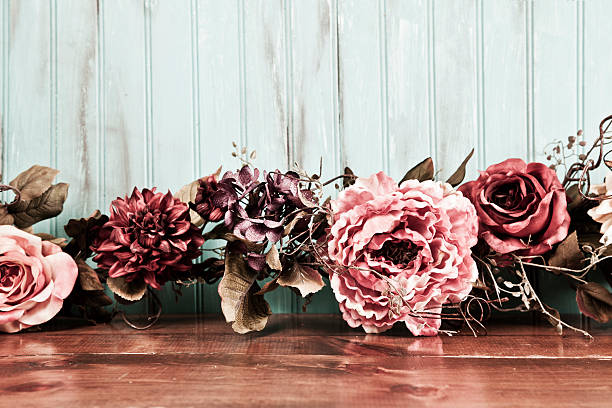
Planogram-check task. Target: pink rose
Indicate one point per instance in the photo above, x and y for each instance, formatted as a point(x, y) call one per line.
point(417, 235)
point(521, 207)
point(35, 278)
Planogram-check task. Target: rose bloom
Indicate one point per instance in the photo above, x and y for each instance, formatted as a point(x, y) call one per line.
point(603, 212)
point(35, 278)
point(521, 207)
point(149, 236)
point(417, 235)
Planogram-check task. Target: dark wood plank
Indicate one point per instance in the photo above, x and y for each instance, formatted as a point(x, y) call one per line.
point(301, 360)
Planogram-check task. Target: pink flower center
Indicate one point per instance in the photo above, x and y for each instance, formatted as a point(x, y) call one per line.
point(8, 274)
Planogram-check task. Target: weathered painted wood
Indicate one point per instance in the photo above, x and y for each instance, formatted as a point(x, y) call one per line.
point(596, 84)
point(362, 86)
point(504, 81)
point(30, 129)
point(78, 141)
point(219, 73)
point(454, 83)
point(4, 28)
point(314, 126)
point(557, 32)
point(267, 114)
point(407, 90)
point(172, 114)
point(152, 92)
point(122, 102)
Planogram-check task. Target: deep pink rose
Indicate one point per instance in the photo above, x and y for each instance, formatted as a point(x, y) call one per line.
point(521, 207)
point(417, 235)
point(35, 278)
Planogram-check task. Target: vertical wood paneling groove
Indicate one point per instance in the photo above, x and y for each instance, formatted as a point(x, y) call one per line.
point(335, 70)
point(480, 83)
point(196, 136)
point(4, 120)
point(289, 84)
point(431, 82)
point(529, 67)
point(101, 93)
point(580, 65)
point(148, 140)
point(384, 94)
point(53, 106)
point(242, 59)
point(339, 98)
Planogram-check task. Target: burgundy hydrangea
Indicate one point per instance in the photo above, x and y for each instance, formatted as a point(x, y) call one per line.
point(149, 236)
point(251, 208)
point(206, 203)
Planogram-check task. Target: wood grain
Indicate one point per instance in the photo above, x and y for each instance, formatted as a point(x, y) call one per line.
point(313, 360)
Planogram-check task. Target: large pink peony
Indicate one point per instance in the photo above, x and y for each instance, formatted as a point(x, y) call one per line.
point(35, 278)
point(418, 235)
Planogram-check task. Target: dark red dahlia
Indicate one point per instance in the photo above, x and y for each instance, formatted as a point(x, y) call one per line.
point(149, 236)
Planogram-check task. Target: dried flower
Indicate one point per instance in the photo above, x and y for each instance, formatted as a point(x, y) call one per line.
point(149, 237)
point(416, 236)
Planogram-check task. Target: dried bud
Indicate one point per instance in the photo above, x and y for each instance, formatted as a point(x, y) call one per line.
point(571, 139)
point(579, 133)
point(548, 157)
point(582, 156)
point(582, 143)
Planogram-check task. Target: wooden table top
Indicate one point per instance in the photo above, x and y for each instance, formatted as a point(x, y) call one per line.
point(302, 360)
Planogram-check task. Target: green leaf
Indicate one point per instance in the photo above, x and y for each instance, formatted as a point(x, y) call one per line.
point(131, 291)
point(457, 177)
point(304, 278)
point(28, 212)
point(594, 301)
point(34, 181)
point(422, 171)
point(240, 303)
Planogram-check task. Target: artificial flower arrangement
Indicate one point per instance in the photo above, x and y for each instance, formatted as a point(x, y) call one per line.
point(418, 251)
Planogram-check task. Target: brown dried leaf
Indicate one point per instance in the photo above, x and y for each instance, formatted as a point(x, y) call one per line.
point(273, 259)
point(457, 177)
point(304, 278)
point(422, 171)
point(131, 291)
point(289, 227)
point(240, 302)
point(28, 212)
point(349, 178)
point(5, 217)
point(594, 301)
point(567, 254)
point(88, 278)
point(268, 287)
point(574, 198)
point(187, 194)
point(34, 181)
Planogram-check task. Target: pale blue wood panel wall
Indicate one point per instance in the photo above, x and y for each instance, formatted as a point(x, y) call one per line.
point(147, 93)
